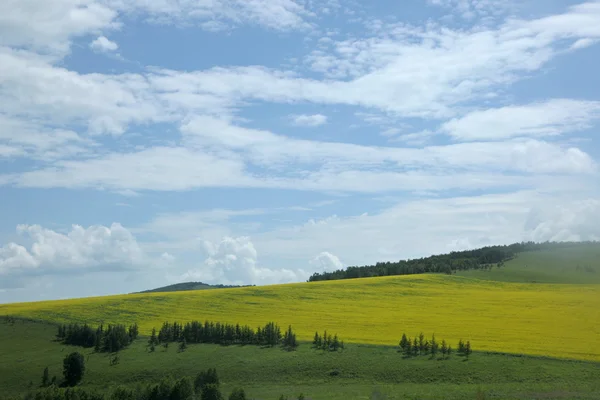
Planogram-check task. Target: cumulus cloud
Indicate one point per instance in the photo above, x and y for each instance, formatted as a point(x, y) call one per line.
point(326, 262)
point(102, 44)
point(309, 120)
point(235, 261)
point(81, 249)
point(574, 221)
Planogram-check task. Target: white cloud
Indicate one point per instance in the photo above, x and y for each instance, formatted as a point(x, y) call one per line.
point(309, 120)
point(220, 155)
point(326, 262)
point(102, 44)
point(550, 118)
point(583, 43)
point(414, 228)
point(274, 14)
point(235, 261)
point(49, 26)
point(575, 221)
point(95, 247)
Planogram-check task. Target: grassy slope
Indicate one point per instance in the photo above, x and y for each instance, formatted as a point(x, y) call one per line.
point(540, 319)
point(26, 348)
point(576, 265)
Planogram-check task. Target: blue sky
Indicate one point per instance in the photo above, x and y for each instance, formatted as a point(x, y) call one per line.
point(256, 142)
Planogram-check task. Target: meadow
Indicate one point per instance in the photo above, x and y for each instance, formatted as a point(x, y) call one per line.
point(359, 372)
point(523, 318)
point(534, 325)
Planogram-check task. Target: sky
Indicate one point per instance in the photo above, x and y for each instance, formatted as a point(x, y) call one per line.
point(145, 143)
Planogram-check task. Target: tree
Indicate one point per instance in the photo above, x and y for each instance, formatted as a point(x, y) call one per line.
point(434, 346)
point(461, 347)
point(449, 351)
point(183, 345)
point(415, 347)
point(238, 394)
point(444, 348)
point(182, 390)
point(404, 342)
point(45, 377)
point(211, 392)
point(153, 339)
point(335, 345)
point(204, 378)
point(73, 368)
point(317, 340)
point(468, 350)
point(421, 343)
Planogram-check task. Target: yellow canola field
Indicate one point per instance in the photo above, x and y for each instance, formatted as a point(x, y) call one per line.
point(556, 320)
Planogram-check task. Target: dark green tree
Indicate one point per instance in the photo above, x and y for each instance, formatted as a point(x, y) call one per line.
point(238, 394)
point(182, 345)
point(45, 377)
point(415, 347)
point(444, 349)
point(208, 377)
point(182, 390)
point(434, 346)
point(73, 368)
point(316, 340)
point(468, 350)
point(421, 343)
point(153, 339)
point(404, 342)
point(211, 392)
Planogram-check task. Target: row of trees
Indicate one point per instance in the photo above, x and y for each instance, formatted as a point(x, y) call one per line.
point(111, 338)
point(482, 258)
point(223, 333)
point(205, 386)
point(421, 346)
point(327, 342)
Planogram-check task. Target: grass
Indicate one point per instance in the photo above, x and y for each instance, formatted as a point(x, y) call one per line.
point(573, 265)
point(26, 348)
point(538, 319)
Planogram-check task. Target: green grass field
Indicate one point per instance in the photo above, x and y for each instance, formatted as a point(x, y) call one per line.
point(545, 304)
point(570, 265)
point(26, 348)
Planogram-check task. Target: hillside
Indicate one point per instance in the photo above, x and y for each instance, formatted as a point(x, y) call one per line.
point(178, 287)
point(540, 303)
point(575, 264)
point(363, 371)
point(496, 316)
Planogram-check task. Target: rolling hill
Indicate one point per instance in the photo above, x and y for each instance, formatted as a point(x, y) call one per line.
point(178, 287)
point(534, 324)
point(546, 319)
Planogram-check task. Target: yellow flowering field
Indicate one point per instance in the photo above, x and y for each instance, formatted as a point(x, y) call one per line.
point(557, 320)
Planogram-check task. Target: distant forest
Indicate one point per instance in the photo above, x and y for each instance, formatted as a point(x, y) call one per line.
point(190, 286)
point(482, 258)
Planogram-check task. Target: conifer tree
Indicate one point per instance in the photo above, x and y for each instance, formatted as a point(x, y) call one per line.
point(434, 346)
point(421, 343)
point(316, 339)
point(468, 350)
point(45, 377)
point(444, 349)
point(404, 342)
point(335, 343)
point(415, 347)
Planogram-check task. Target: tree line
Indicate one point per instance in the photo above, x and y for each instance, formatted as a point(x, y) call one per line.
point(420, 346)
point(110, 339)
point(205, 386)
point(327, 342)
point(222, 333)
point(482, 258)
